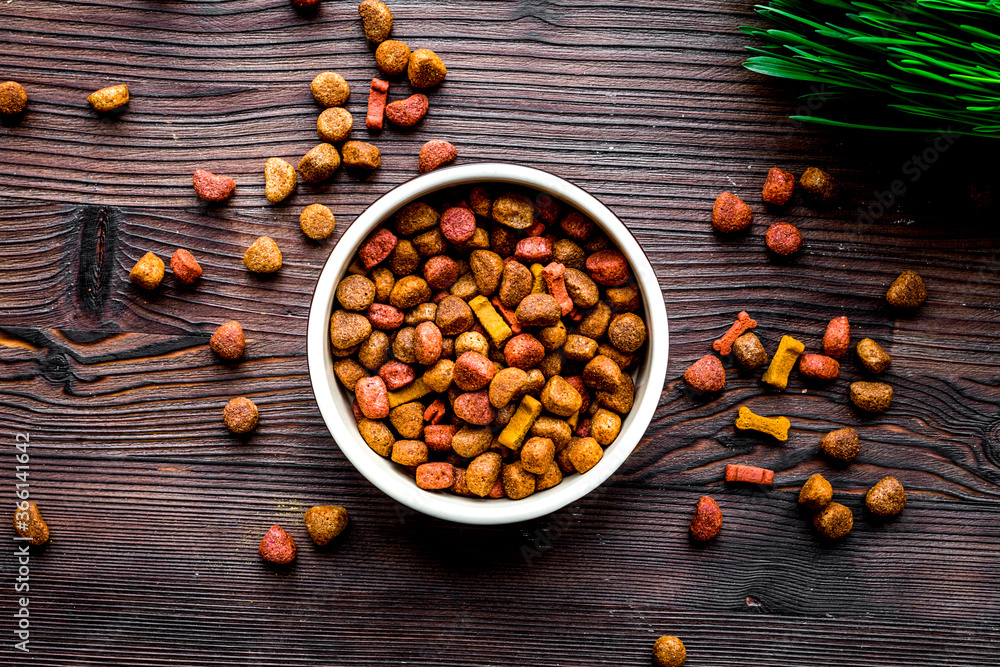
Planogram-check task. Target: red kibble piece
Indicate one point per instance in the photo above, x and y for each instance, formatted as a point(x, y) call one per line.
point(706, 374)
point(577, 226)
point(536, 229)
point(277, 546)
point(408, 112)
point(507, 314)
point(185, 267)
point(743, 323)
point(707, 520)
point(437, 475)
point(583, 428)
point(358, 415)
point(576, 382)
point(385, 317)
point(730, 213)
point(553, 275)
point(376, 104)
point(474, 407)
point(378, 246)
point(435, 153)
point(837, 338)
point(819, 367)
point(396, 374)
point(783, 239)
point(434, 412)
point(372, 397)
point(523, 351)
point(458, 224)
point(534, 249)
point(473, 371)
point(778, 187)
point(212, 187)
point(749, 474)
point(608, 268)
point(438, 436)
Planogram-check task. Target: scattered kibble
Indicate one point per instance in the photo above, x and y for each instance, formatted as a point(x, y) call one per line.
point(316, 221)
point(776, 427)
point(436, 153)
point(425, 69)
point(228, 341)
point(377, 20)
point(240, 415)
point(148, 271)
point(778, 187)
point(392, 57)
point(886, 498)
point(277, 546)
point(109, 99)
point(669, 651)
point(361, 155)
point(29, 524)
point(319, 163)
point(783, 239)
point(872, 356)
point(730, 214)
point(325, 522)
point(330, 89)
point(263, 256)
point(816, 493)
point(819, 367)
point(871, 396)
point(841, 445)
point(749, 474)
point(376, 104)
point(908, 291)
point(749, 351)
point(783, 362)
point(837, 338)
point(13, 98)
point(212, 187)
point(834, 521)
point(706, 375)
point(408, 112)
point(185, 267)
point(707, 520)
point(334, 124)
point(279, 179)
point(742, 324)
point(819, 185)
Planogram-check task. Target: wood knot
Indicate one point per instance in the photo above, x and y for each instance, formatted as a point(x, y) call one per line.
point(55, 368)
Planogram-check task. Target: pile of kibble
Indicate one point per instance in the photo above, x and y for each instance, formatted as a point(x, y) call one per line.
point(487, 337)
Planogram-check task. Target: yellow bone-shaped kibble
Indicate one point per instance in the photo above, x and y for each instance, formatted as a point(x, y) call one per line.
point(784, 360)
point(524, 417)
point(411, 392)
point(495, 325)
point(538, 286)
point(773, 426)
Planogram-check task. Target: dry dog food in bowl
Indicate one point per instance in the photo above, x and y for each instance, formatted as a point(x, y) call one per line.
point(487, 343)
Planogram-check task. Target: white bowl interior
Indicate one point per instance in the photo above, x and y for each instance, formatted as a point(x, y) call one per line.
point(335, 402)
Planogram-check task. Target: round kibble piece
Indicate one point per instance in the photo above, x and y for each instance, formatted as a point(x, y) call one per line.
point(783, 239)
point(841, 445)
point(334, 125)
point(560, 397)
point(514, 210)
point(908, 291)
point(416, 217)
point(706, 374)
point(425, 69)
point(348, 329)
point(872, 356)
point(669, 651)
point(458, 224)
point(608, 268)
point(263, 256)
point(816, 493)
point(584, 453)
point(330, 89)
point(325, 522)
point(377, 20)
point(316, 221)
point(356, 292)
point(409, 291)
point(538, 310)
point(871, 396)
point(818, 185)
point(392, 57)
point(148, 271)
point(279, 179)
point(240, 415)
point(627, 332)
point(319, 163)
point(886, 498)
point(185, 267)
point(377, 435)
point(537, 455)
point(778, 187)
point(834, 521)
point(749, 351)
point(13, 98)
point(228, 341)
point(603, 374)
point(361, 155)
point(473, 371)
point(517, 482)
point(730, 214)
point(837, 337)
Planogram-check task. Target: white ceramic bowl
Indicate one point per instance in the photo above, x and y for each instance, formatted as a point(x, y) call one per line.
point(335, 403)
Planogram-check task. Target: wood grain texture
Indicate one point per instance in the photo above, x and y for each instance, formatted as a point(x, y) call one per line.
point(156, 510)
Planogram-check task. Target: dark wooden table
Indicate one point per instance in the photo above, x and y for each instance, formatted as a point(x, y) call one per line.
point(156, 511)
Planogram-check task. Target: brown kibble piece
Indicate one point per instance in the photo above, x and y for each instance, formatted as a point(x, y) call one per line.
point(907, 291)
point(319, 163)
point(279, 179)
point(669, 651)
point(707, 520)
point(834, 521)
point(263, 256)
point(837, 338)
point(816, 493)
point(185, 267)
point(13, 98)
point(872, 356)
point(560, 397)
point(602, 374)
point(277, 546)
point(110, 98)
point(886, 498)
point(30, 525)
point(228, 341)
point(348, 329)
point(584, 453)
point(355, 292)
point(483, 473)
point(783, 239)
point(841, 445)
point(425, 69)
point(730, 213)
point(316, 221)
point(627, 332)
point(392, 57)
point(514, 210)
point(240, 415)
point(871, 396)
point(377, 435)
point(330, 89)
point(361, 155)
point(537, 454)
point(148, 271)
point(212, 187)
point(778, 187)
point(334, 125)
point(749, 351)
point(706, 374)
point(435, 153)
point(325, 522)
point(377, 20)
point(517, 482)
point(819, 185)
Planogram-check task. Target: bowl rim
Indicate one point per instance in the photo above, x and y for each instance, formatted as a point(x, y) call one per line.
point(377, 469)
